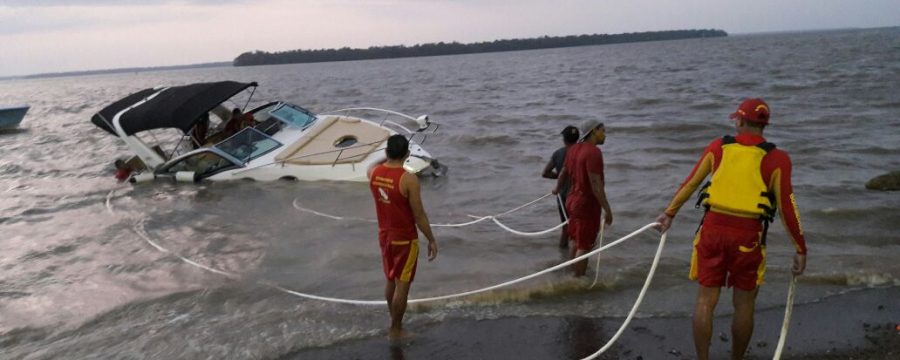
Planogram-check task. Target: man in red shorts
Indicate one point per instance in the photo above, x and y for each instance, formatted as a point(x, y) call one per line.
point(587, 197)
point(751, 179)
point(398, 203)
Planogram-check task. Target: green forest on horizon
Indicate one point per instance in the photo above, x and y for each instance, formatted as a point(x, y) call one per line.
point(454, 48)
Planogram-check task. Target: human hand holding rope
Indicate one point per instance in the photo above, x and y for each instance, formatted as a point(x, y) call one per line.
point(432, 250)
point(664, 222)
point(799, 264)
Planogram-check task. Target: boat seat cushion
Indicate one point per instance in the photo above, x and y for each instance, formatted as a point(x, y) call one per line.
point(318, 146)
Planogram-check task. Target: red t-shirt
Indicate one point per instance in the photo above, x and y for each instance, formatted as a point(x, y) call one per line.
point(583, 159)
point(122, 174)
point(395, 217)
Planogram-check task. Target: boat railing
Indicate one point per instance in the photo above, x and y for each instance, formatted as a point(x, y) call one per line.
point(421, 121)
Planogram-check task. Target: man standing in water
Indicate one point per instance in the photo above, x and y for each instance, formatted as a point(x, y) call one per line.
point(750, 180)
point(552, 170)
point(587, 196)
point(398, 203)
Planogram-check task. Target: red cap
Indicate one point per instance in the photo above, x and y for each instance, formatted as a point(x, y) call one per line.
point(755, 110)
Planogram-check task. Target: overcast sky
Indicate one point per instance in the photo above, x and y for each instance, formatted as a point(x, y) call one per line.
point(39, 36)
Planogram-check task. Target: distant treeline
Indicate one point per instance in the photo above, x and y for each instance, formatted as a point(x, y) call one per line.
point(454, 48)
point(119, 70)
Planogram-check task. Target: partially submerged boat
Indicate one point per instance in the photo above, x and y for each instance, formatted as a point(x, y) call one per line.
point(11, 116)
point(283, 141)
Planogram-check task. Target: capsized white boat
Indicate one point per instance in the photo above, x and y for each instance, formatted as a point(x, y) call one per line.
point(284, 141)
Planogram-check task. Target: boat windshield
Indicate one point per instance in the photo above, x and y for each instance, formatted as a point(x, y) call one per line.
point(248, 144)
point(293, 115)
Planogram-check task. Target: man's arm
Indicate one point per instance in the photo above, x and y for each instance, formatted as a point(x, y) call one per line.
point(598, 188)
point(790, 213)
point(701, 169)
point(561, 180)
point(548, 172)
point(411, 183)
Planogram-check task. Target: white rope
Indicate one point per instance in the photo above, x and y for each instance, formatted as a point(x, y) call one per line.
point(788, 308)
point(562, 205)
point(523, 233)
point(597, 268)
point(637, 303)
point(139, 230)
point(602, 230)
point(478, 219)
point(510, 211)
point(485, 289)
point(143, 235)
point(777, 356)
point(109, 201)
point(334, 217)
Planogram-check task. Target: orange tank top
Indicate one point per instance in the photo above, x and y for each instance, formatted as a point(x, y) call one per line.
point(395, 216)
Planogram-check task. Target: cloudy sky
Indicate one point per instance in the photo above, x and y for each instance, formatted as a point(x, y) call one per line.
point(39, 36)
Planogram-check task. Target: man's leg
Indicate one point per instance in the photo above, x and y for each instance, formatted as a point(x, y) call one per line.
point(398, 307)
point(581, 266)
point(742, 322)
point(389, 296)
point(564, 237)
point(707, 298)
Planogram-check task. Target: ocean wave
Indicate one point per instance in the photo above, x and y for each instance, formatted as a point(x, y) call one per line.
point(851, 213)
point(875, 150)
point(44, 206)
point(77, 108)
point(11, 169)
point(483, 140)
point(791, 87)
point(705, 105)
point(643, 101)
point(661, 127)
point(12, 295)
point(55, 251)
point(23, 335)
point(865, 279)
point(886, 104)
point(450, 112)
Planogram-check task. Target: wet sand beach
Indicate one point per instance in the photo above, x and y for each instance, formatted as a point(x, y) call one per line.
point(856, 325)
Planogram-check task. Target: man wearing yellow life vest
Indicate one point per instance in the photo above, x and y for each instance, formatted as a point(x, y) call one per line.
point(750, 180)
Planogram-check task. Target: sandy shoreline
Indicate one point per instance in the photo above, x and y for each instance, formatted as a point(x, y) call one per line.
point(858, 325)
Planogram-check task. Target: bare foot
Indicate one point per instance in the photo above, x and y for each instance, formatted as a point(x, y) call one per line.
point(399, 337)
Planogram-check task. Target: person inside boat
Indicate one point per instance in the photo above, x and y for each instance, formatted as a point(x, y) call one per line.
point(122, 170)
point(125, 167)
point(199, 131)
point(238, 121)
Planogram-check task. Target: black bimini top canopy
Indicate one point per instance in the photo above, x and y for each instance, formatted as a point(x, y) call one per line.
point(176, 107)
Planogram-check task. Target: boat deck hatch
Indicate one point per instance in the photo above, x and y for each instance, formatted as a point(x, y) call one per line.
point(346, 141)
